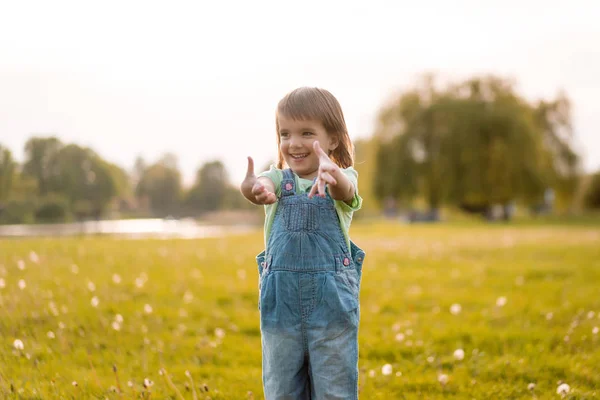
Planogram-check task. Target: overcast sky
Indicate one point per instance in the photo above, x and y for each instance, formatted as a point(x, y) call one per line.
point(202, 79)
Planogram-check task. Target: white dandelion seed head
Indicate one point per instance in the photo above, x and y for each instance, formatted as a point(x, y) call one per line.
point(188, 297)
point(21, 265)
point(187, 373)
point(396, 327)
point(372, 373)
point(549, 316)
point(519, 280)
point(398, 373)
point(116, 278)
point(116, 326)
point(50, 335)
point(74, 269)
point(220, 333)
point(386, 369)
point(400, 337)
point(430, 359)
point(590, 314)
point(33, 257)
point(91, 286)
point(459, 354)
point(147, 308)
point(148, 383)
point(95, 301)
point(2, 283)
point(129, 383)
point(22, 285)
point(501, 301)
point(455, 309)
point(18, 344)
point(443, 379)
point(139, 282)
point(74, 383)
point(531, 386)
point(409, 332)
point(595, 330)
point(563, 389)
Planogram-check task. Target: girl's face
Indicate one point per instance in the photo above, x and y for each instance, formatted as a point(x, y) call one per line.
point(296, 138)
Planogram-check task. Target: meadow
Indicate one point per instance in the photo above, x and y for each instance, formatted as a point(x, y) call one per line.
point(448, 311)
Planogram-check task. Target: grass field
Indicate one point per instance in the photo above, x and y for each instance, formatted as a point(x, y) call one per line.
point(447, 311)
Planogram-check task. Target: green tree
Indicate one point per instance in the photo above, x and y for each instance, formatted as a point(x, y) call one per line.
point(7, 173)
point(210, 190)
point(160, 183)
point(40, 161)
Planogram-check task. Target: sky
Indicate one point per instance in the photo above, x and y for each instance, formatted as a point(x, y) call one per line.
point(202, 79)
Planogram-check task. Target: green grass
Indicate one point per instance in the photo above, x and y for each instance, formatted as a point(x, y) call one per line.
point(204, 318)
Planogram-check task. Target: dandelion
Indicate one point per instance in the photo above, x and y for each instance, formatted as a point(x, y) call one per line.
point(148, 309)
point(119, 318)
point(33, 257)
point(595, 330)
point(116, 326)
point(372, 373)
point(91, 286)
point(563, 389)
point(531, 386)
point(430, 359)
point(398, 373)
point(220, 333)
point(459, 354)
point(139, 283)
point(21, 265)
point(455, 309)
point(409, 332)
point(396, 327)
point(148, 383)
point(95, 301)
point(116, 278)
point(50, 335)
point(129, 383)
point(520, 280)
point(443, 379)
point(501, 301)
point(74, 383)
point(400, 337)
point(549, 316)
point(2, 283)
point(188, 297)
point(18, 344)
point(386, 369)
point(74, 269)
point(61, 325)
point(591, 314)
point(22, 284)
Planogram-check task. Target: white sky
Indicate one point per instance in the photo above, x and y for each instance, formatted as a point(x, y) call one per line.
point(202, 79)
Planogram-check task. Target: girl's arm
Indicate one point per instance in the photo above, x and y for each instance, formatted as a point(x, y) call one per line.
point(257, 190)
point(340, 187)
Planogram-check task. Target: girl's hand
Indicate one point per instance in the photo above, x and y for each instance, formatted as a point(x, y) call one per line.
point(254, 190)
point(327, 169)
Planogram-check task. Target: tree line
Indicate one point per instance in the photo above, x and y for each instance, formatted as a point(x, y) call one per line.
point(64, 181)
point(476, 144)
point(473, 145)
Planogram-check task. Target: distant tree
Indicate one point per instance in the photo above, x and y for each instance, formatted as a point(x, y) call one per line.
point(210, 189)
point(161, 184)
point(40, 160)
point(592, 195)
point(7, 172)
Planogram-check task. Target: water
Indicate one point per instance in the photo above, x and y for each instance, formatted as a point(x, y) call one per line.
point(128, 228)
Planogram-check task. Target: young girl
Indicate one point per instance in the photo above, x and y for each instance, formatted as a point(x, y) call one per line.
point(309, 273)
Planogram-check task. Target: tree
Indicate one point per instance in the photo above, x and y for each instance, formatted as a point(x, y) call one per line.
point(592, 194)
point(7, 172)
point(160, 183)
point(40, 160)
point(473, 144)
point(210, 190)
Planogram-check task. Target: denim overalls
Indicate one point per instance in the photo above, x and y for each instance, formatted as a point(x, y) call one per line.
point(309, 285)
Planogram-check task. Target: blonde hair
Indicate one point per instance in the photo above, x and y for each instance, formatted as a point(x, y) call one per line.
point(308, 103)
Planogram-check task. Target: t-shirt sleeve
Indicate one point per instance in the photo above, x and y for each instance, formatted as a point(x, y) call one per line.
point(275, 175)
point(356, 204)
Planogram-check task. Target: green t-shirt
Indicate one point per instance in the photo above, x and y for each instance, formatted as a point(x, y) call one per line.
point(344, 210)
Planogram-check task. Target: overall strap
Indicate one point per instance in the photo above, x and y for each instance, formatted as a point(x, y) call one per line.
point(288, 184)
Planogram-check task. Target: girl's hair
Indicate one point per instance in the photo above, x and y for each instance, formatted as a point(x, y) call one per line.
point(317, 104)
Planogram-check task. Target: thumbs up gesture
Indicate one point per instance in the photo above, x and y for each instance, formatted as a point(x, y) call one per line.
point(258, 191)
point(325, 174)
